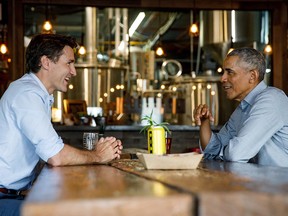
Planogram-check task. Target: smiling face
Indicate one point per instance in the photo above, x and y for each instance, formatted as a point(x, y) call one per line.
point(56, 75)
point(237, 80)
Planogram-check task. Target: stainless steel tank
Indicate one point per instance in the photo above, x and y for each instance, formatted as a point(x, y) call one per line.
point(196, 91)
point(221, 30)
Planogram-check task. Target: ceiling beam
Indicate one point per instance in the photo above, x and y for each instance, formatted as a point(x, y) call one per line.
point(168, 4)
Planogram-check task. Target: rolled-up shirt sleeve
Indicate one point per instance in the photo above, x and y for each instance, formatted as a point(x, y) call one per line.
point(35, 122)
point(213, 149)
point(254, 129)
point(218, 141)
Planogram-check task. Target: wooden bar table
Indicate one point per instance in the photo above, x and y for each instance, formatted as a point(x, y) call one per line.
point(102, 190)
point(224, 188)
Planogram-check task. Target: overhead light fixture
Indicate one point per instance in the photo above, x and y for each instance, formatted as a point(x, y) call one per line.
point(268, 49)
point(194, 30)
point(136, 23)
point(47, 27)
point(3, 49)
point(81, 54)
point(159, 51)
point(3, 37)
point(82, 50)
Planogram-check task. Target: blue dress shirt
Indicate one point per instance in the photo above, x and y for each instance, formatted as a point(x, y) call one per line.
point(257, 130)
point(26, 132)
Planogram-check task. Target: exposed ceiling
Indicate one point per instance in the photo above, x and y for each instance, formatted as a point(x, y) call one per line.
point(172, 27)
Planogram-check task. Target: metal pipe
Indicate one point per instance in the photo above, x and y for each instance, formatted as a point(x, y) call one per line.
point(90, 36)
point(125, 32)
point(117, 31)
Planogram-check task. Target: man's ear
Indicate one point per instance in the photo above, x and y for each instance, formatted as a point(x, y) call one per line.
point(44, 62)
point(254, 76)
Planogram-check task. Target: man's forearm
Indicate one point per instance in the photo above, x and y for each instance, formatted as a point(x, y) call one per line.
point(71, 156)
point(205, 133)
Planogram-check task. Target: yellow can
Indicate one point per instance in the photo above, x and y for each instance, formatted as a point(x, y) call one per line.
point(156, 140)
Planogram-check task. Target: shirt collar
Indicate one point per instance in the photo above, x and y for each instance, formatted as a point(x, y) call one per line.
point(50, 98)
point(250, 98)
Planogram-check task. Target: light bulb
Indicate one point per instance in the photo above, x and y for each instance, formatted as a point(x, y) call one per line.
point(3, 49)
point(194, 29)
point(268, 49)
point(159, 51)
point(82, 50)
point(47, 26)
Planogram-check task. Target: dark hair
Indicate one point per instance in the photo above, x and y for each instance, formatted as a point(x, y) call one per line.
point(50, 45)
point(252, 58)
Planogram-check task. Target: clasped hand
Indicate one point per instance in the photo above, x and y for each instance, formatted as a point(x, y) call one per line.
point(108, 148)
point(202, 113)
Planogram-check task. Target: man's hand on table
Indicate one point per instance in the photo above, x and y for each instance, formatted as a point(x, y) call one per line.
point(107, 149)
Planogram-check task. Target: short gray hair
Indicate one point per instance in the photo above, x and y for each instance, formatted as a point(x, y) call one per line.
point(252, 58)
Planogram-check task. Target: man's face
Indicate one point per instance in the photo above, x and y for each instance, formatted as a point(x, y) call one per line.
point(61, 72)
point(236, 79)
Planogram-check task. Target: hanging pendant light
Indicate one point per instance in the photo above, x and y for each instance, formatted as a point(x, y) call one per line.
point(82, 50)
point(159, 51)
point(3, 46)
point(47, 27)
point(3, 49)
point(268, 49)
point(194, 30)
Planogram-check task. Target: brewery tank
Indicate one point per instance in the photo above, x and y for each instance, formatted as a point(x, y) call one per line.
point(222, 30)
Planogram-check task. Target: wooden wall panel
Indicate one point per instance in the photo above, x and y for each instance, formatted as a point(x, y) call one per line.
point(280, 56)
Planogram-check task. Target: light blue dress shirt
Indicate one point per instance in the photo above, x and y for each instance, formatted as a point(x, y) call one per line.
point(26, 132)
point(257, 130)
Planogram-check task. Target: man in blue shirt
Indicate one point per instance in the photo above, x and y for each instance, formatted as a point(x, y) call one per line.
point(26, 132)
point(257, 131)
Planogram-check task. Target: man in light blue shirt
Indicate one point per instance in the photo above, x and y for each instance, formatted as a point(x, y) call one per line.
point(27, 135)
point(257, 131)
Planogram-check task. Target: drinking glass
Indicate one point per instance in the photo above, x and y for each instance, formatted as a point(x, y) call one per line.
point(90, 140)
